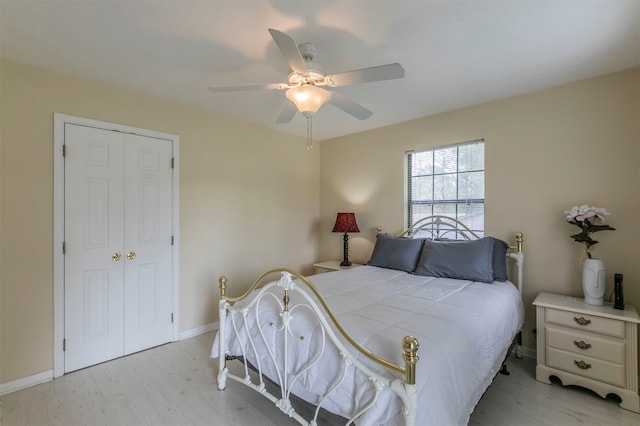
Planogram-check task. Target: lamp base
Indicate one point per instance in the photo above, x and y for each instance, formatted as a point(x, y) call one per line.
point(345, 257)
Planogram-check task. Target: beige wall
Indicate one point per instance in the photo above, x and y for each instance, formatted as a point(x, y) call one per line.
point(248, 201)
point(545, 152)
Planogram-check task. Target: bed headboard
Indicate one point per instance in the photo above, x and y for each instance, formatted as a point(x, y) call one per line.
point(440, 227)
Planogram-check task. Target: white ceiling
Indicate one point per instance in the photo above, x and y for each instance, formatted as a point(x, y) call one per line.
point(455, 53)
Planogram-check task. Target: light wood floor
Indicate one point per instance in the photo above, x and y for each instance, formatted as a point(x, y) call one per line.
point(175, 384)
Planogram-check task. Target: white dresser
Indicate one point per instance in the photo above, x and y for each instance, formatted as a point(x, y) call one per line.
point(591, 346)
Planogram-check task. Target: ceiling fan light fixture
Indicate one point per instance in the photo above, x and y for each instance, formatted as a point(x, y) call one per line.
point(308, 98)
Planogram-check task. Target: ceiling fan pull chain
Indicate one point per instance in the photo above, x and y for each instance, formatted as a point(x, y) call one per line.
point(309, 141)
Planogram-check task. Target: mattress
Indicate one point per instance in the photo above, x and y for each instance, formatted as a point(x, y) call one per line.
point(464, 328)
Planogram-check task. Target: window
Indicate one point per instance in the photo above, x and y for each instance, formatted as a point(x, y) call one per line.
point(449, 181)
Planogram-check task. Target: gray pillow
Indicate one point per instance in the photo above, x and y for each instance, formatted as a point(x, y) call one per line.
point(396, 253)
point(499, 263)
point(465, 260)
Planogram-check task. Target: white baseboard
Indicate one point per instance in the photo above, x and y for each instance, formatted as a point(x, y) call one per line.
point(187, 334)
point(26, 382)
point(529, 352)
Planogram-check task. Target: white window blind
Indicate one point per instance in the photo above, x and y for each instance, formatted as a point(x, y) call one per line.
point(449, 181)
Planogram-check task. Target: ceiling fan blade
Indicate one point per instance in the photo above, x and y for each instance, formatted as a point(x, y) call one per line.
point(287, 113)
point(350, 107)
point(366, 75)
point(290, 50)
point(272, 86)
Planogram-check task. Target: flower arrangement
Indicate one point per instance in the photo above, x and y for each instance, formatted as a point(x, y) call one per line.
point(589, 219)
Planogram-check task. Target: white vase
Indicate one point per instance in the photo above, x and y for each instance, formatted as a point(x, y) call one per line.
point(594, 281)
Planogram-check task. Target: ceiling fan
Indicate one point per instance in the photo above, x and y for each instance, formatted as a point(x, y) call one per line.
point(306, 84)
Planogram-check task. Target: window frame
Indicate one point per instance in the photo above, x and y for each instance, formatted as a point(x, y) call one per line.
point(410, 216)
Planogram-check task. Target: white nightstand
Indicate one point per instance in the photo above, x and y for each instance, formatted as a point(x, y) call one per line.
point(332, 265)
point(595, 347)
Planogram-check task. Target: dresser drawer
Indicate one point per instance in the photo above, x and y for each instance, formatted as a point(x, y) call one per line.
point(593, 368)
point(586, 344)
point(607, 326)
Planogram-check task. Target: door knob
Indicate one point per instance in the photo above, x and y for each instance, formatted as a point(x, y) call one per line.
point(131, 255)
point(116, 257)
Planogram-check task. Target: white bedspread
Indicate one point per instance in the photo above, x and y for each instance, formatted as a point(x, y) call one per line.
point(464, 329)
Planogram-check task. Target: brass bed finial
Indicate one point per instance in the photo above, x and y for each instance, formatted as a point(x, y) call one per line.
point(410, 347)
point(223, 286)
point(519, 239)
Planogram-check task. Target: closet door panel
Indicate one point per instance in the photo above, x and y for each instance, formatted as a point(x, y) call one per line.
point(94, 226)
point(148, 285)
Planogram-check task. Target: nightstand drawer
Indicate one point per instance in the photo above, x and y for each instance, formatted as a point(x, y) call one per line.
point(602, 371)
point(586, 344)
point(608, 326)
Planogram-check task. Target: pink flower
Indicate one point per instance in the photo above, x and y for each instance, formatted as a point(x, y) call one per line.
point(601, 213)
point(583, 212)
point(581, 217)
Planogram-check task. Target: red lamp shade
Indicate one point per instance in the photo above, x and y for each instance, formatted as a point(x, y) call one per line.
point(346, 222)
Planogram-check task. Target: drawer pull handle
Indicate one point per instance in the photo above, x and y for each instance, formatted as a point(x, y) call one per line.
point(582, 365)
point(582, 320)
point(581, 344)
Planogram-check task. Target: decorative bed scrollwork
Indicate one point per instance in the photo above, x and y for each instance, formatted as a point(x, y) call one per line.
point(404, 388)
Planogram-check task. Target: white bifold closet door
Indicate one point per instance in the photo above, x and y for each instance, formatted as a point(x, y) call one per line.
point(118, 269)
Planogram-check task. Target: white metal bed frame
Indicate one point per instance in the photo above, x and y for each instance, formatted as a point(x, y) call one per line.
point(401, 380)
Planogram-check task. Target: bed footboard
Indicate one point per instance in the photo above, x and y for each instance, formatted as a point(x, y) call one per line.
point(279, 341)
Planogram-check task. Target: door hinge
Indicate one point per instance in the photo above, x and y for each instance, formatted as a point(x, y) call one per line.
point(64, 247)
point(172, 240)
point(64, 150)
point(173, 163)
point(64, 345)
point(172, 318)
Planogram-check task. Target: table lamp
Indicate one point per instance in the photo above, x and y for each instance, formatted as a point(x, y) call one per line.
point(346, 222)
